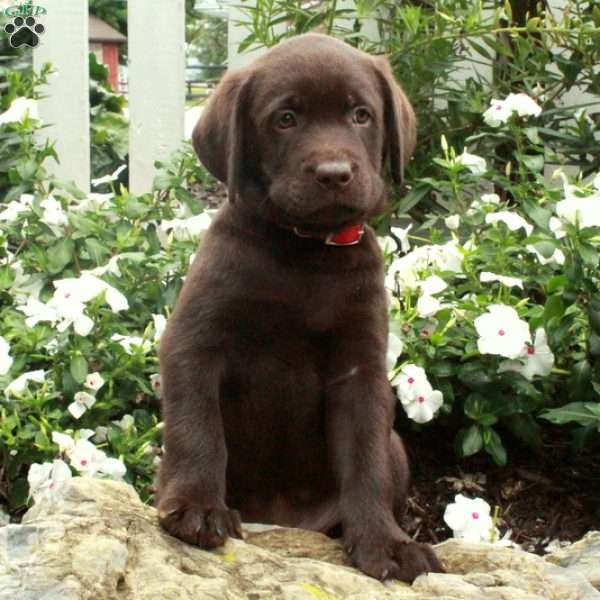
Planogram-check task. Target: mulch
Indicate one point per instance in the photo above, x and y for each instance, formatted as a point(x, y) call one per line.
point(548, 496)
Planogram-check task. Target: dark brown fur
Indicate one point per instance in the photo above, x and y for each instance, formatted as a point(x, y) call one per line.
point(276, 399)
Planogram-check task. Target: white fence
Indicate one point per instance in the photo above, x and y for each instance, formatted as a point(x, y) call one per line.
point(156, 50)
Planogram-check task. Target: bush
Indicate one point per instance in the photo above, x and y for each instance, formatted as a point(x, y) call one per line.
point(83, 306)
point(494, 291)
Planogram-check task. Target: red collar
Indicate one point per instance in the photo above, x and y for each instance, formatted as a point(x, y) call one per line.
point(346, 237)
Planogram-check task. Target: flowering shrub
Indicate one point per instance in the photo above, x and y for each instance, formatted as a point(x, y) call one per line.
point(502, 311)
point(87, 283)
point(493, 287)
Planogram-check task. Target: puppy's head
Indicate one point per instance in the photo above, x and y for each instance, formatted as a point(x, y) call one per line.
point(306, 132)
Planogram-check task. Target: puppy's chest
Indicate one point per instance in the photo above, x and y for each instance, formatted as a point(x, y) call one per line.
point(331, 301)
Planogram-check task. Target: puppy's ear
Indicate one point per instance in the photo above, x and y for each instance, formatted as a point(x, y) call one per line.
point(399, 121)
point(219, 135)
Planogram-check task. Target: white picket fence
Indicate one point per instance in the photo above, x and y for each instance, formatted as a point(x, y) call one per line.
point(156, 70)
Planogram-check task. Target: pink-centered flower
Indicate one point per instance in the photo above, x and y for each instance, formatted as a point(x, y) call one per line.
point(501, 331)
point(470, 519)
point(534, 359)
point(419, 400)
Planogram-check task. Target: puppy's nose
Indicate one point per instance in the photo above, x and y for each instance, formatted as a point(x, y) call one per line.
point(335, 174)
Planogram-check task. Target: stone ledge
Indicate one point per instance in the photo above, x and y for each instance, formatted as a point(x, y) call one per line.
point(102, 543)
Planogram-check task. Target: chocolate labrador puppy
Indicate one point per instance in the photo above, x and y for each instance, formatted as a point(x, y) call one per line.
point(276, 399)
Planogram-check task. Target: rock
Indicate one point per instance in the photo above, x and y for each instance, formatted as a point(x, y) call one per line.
point(101, 542)
point(581, 557)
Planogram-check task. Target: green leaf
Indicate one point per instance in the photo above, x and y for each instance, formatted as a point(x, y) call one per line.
point(577, 412)
point(525, 428)
point(580, 383)
point(532, 135)
point(78, 368)
point(589, 254)
point(474, 376)
point(480, 408)
point(554, 308)
point(60, 255)
point(472, 441)
point(494, 447)
point(96, 250)
point(442, 368)
point(594, 314)
point(7, 277)
point(412, 198)
point(533, 163)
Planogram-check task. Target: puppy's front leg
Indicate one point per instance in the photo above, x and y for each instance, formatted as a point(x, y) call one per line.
point(360, 409)
point(191, 495)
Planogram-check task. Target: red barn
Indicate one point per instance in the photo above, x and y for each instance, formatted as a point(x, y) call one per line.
point(105, 42)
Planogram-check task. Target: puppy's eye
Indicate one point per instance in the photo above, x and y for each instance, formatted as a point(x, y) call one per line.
point(286, 120)
point(361, 116)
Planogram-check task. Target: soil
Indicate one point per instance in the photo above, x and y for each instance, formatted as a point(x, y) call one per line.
point(545, 497)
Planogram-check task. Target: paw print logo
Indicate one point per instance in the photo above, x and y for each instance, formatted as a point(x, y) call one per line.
point(24, 32)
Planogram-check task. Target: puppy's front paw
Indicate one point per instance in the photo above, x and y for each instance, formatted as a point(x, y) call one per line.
point(207, 527)
point(395, 557)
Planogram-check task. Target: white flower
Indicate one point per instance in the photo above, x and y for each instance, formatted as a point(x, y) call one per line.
point(497, 113)
point(129, 343)
point(61, 311)
point(100, 434)
point(94, 202)
point(432, 285)
point(452, 222)
point(387, 244)
point(54, 216)
point(25, 286)
point(82, 401)
point(419, 399)
point(501, 331)
point(500, 111)
point(427, 306)
point(86, 458)
point(394, 350)
point(557, 227)
point(486, 277)
point(475, 164)
point(85, 434)
point(113, 468)
point(12, 211)
point(402, 236)
point(511, 219)
point(404, 271)
point(112, 266)
point(64, 442)
point(87, 287)
point(108, 178)
point(18, 385)
point(156, 383)
point(533, 360)
point(183, 229)
point(48, 480)
point(485, 200)
point(557, 258)
point(6, 360)
point(160, 322)
point(523, 105)
point(126, 423)
point(19, 109)
point(583, 211)
point(470, 519)
point(94, 381)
